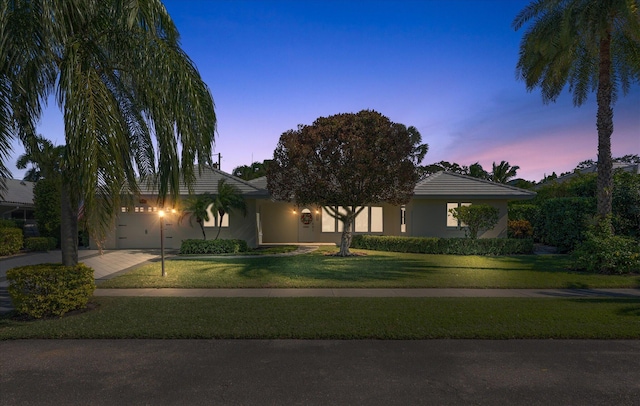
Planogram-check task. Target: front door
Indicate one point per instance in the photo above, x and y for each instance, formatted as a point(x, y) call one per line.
point(305, 226)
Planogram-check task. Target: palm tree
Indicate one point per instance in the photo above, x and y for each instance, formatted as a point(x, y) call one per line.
point(504, 172)
point(120, 79)
point(196, 208)
point(44, 159)
point(591, 45)
point(227, 199)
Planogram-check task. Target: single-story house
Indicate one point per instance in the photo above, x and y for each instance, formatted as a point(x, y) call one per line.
point(16, 202)
point(269, 222)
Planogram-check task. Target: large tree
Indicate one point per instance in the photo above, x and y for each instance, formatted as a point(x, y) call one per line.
point(120, 79)
point(593, 45)
point(344, 163)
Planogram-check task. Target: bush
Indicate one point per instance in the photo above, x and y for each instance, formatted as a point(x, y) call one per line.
point(8, 224)
point(432, 245)
point(213, 246)
point(519, 229)
point(40, 243)
point(476, 217)
point(523, 211)
point(563, 221)
point(604, 252)
point(50, 289)
point(11, 241)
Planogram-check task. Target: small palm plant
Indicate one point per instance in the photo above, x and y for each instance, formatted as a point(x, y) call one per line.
point(196, 208)
point(227, 199)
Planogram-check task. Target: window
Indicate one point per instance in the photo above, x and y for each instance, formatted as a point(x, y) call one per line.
point(215, 222)
point(452, 221)
point(328, 222)
point(362, 221)
point(368, 220)
point(376, 219)
point(403, 219)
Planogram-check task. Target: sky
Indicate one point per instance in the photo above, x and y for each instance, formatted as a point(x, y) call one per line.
point(446, 67)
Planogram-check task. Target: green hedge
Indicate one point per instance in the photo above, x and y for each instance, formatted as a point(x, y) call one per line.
point(50, 289)
point(11, 241)
point(563, 221)
point(213, 246)
point(40, 243)
point(4, 223)
point(433, 245)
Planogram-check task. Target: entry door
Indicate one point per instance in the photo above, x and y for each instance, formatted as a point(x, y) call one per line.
point(306, 226)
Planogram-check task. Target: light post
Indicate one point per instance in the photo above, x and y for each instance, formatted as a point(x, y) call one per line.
point(161, 214)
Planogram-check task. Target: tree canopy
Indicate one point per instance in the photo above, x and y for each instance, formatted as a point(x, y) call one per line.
point(347, 160)
point(121, 80)
point(253, 171)
point(591, 45)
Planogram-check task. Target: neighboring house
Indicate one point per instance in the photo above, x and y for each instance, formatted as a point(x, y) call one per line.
point(617, 166)
point(269, 222)
point(17, 201)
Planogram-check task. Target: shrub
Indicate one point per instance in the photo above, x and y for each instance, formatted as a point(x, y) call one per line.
point(519, 229)
point(40, 243)
point(604, 252)
point(563, 221)
point(8, 224)
point(432, 245)
point(11, 241)
point(523, 211)
point(476, 217)
point(50, 289)
point(213, 246)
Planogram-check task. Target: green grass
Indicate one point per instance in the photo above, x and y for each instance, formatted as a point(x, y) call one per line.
point(373, 270)
point(340, 318)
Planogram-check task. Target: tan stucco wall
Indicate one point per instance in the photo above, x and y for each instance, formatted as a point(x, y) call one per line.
point(428, 218)
point(281, 225)
point(142, 230)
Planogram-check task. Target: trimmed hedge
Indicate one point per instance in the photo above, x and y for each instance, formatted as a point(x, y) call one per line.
point(563, 221)
point(213, 246)
point(47, 290)
point(4, 223)
point(434, 245)
point(40, 243)
point(11, 241)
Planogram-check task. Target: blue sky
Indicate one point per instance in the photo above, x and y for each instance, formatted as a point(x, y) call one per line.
point(445, 67)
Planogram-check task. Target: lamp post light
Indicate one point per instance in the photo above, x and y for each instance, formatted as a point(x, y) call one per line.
point(161, 214)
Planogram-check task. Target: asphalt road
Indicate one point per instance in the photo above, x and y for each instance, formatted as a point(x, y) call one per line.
point(293, 372)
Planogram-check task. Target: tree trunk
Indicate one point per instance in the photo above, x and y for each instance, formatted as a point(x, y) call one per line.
point(219, 226)
point(604, 125)
point(345, 242)
point(68, 227)
point(204, 235)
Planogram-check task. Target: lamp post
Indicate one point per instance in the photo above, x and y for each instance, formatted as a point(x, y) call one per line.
point(161, 214)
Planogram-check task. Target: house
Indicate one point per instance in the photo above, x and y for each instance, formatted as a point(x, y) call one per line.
point(270, 222)
point(16, 203)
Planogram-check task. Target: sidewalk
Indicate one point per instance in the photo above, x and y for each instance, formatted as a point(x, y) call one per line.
point(349, 292)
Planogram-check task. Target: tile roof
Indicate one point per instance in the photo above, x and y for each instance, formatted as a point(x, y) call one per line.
point(207, 182)
point(448, 184)
point(18, 192)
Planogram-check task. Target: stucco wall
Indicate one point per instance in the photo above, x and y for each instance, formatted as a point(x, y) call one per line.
point(428, 218)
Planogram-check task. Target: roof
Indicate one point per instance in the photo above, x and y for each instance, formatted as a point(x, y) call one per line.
point(439, 185)
point(623, 166)
point(260, 183)
point(442, 185)
point(19, 192)
point(207, 182)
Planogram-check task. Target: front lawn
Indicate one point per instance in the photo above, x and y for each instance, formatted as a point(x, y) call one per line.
point(340, 318)
point(373, 270)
